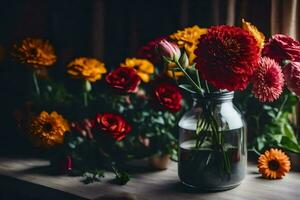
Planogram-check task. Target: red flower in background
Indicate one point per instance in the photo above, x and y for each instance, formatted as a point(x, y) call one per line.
point(227, 57)
point(168, 96)
point(149, 52)
point(292, 77)
point(281, 47)
point(124, 79)
point(267, 80)
point(113, 124)
point(84, 127)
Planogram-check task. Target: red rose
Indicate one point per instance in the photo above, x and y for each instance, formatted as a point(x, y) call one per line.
point(113, 124)
point(124, 79)
point(281, 47)
point(168, 96)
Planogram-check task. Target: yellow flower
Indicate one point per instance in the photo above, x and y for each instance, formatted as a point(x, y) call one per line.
point(259, 37)
point(188, 39)
point(170, 73)
point(34, 52)
point(87, 69)
point(274, 164)
point(47, 130)
point(143, 67)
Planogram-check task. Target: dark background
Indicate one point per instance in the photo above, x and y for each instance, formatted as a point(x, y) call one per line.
point(109, 30)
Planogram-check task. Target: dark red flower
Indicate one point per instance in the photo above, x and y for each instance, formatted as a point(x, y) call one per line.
point(281, 47)
point(149, 52)
point(227, 56)
point(124, 79)
point(292, 77)
point(267, 80)
point(168, 96)
point(84, 128)
point(113, 124)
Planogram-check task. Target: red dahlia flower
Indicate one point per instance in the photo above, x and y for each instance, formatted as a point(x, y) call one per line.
point(149, 52)
point(281, 47)
point(168, 96)
point(227, 56)
point(267, 80)
point(292, 77)
point(113, 124)
point(124, 79)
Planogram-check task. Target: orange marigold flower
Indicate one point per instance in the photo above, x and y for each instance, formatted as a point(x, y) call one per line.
point(89, 69)
point(259, 37)
point(188, 39)
point(274, 164)
point(176, 74)
point(143, 67)
point(48, 130)
point(34, 52)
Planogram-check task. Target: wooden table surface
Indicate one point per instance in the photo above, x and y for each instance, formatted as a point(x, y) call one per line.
point(29, 177)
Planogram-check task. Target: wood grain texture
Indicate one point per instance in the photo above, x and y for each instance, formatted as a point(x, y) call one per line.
point(30, 177)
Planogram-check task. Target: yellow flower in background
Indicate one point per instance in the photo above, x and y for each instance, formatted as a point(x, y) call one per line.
point(34, 52)
point(89, 69)
point(48, 130)
point(259, 37)
point(171, 74)
point(188, 39)
point(274, 164)
point(143, 67)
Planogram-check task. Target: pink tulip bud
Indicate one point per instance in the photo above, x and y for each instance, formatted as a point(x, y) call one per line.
point(168, 50)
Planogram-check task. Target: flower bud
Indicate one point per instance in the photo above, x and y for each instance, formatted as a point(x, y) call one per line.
point(168, 50)
point(184, 60)
point(68, 164)
point(87, 87)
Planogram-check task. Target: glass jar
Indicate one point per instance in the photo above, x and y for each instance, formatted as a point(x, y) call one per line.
point(214, 159)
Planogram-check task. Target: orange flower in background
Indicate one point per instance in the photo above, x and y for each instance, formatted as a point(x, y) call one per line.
point(89, 69)
point(48, 130)
point(259, 37)
point(274, 164)
point(35, 52)
point(143, 67)
point(175, 74)
point(188, 39)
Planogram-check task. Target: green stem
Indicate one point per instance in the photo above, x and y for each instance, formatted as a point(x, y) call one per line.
point(188, 76)
point(36, 83)
point(85, 99)
point(207, 87)
point(281, 107)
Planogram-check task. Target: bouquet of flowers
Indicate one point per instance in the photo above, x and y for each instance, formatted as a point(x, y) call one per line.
point(227, 58)
point(98, 120)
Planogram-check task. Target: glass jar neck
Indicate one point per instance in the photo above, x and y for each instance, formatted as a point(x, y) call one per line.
point(214, 98)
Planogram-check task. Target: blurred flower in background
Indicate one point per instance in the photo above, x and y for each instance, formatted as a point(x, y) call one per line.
point(143, 67)
point(89, 69)
point(188, 39)
point(34, 52)
point(48, 130)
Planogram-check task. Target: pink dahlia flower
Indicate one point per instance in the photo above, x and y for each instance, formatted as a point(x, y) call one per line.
point(267, 80)
point(292, 77)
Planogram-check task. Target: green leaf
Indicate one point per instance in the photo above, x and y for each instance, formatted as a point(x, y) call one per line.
point(122, 178)
point(288, 144)
point(288, 131)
